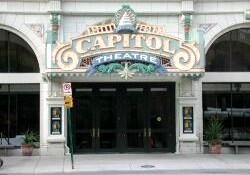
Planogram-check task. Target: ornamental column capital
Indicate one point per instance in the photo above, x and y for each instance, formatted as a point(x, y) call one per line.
point(54, 6)
point(187, 6)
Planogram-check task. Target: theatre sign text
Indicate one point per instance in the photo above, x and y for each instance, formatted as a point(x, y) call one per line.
point(126, 47)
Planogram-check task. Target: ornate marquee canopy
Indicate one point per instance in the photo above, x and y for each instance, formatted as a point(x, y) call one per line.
point(125, 46)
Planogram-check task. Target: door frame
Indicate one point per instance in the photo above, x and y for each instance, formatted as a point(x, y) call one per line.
point(121, 129)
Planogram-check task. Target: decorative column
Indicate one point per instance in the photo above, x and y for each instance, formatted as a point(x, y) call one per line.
point(197, 86)
point(187, 21)
point(187, 10)
point(44, 86)
point(54, 22)
point(55, 113)
point(189, 103)
point(56, 121)
point(187, 115)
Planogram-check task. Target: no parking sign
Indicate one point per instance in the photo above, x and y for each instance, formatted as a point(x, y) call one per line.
point(67, 91)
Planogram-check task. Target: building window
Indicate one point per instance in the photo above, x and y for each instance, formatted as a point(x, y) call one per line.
point(19, 110)
point(16, 55)
point(230, 52)
point(230, 102)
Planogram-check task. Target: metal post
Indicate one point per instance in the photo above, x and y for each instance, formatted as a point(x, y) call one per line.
point(70, 136)
point(231, 106)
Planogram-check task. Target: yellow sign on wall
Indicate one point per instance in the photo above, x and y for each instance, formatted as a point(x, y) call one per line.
point(68, 101)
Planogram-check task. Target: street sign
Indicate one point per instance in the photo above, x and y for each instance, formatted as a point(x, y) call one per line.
point(68, 101)
point(67, 91)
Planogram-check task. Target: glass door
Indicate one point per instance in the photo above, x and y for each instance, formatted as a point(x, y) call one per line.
point(94, 121)
point(147, 119)
point(124, 118)
point(158, 119)
point(83, 120)
point(105, 129)
point(134, 119)
point(161, 122)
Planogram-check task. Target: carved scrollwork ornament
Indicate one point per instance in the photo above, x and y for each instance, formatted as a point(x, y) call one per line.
point(67, 60)
point(186, 57)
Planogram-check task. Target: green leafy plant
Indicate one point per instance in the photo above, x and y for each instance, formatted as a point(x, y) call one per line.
point(30, 137)
point(213, 131)
point(142, 67)
point(109, 68)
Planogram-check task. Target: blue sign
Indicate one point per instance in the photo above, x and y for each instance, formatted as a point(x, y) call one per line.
point(125, 56)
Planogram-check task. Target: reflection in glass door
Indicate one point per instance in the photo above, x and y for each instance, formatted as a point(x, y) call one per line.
point(95, 120)
point(83, 120)
point(106, 117)
point(159, 119)
point(134, 119)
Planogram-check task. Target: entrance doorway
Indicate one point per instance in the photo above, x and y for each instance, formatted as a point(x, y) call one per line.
point(134, 117)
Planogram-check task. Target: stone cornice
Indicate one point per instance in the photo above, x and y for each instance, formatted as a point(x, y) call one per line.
point(107, 7)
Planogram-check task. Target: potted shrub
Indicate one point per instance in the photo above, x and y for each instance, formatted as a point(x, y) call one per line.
point(213, 135)
point(28, 142)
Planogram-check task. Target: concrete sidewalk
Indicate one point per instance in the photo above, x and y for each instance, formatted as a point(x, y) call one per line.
point(124, 162)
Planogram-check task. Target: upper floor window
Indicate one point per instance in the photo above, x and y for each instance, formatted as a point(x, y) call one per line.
point(230, 52)
point(15, 54)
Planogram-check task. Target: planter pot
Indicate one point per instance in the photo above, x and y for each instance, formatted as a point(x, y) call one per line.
point(215, 149)
point(27, 149)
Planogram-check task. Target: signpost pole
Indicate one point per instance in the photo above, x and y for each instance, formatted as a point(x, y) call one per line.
point(70, 136)
point(68, 103)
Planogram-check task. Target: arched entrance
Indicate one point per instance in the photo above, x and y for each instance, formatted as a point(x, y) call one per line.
point(19, 102)
point(229, 101)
